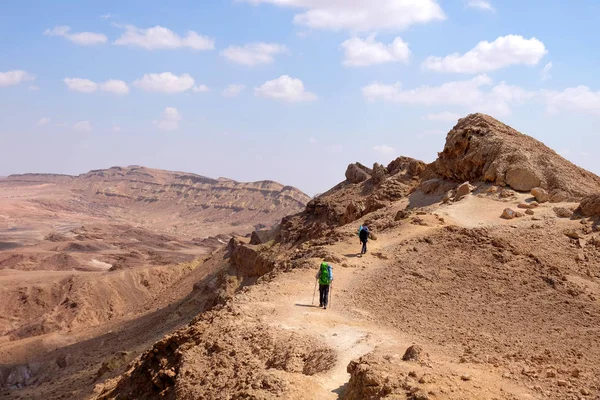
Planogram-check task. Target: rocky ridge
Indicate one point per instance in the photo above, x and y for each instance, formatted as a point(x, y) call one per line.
point(451, 285)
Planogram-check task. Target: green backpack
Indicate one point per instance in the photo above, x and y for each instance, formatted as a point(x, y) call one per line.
point(324, 274)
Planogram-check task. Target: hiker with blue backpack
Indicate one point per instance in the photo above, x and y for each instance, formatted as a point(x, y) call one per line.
point(325, 279)
point(363, 235)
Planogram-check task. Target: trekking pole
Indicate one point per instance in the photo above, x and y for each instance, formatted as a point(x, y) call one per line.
point(330, 291)
point(314, 292)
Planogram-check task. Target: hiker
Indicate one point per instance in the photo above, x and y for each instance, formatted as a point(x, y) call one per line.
point(325, 278)
point(364, 238)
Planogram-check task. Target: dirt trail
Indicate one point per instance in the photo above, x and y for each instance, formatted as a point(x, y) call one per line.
point(287, 303)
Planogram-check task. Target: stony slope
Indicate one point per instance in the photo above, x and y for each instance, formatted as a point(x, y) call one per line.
point(481, 148)
point(502, 309)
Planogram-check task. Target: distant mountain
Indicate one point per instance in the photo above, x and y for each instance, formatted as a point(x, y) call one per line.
point(175, 202)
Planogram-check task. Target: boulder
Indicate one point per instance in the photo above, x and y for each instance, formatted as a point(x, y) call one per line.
point(559, 196)
point(463, 190)
point(379, 173)
point(357, 173)
point(413, 353)
point(529, 212)
point(522, 179)
point(562, 212)
point(508, 214)
point(402, 214)
point(255, 239)
point(590, 206)
point(541, 195)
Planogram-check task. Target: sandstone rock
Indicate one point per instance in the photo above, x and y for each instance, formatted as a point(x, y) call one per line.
point(255, 239)
point(482, 148)
point(522, 179)
point(580, 257)
point(573, 234)
point(558, 196)
point(561, 382)
point(541, 195)
point(562, 212)
point(357, 173)
point(590, 206)
point(466, 377)
point(402, 214)
point(413, 353)
point(529, 212)
point(448, 196)
point(463, 190)
point(508, 214)
point(506, 193)
point(379, 173)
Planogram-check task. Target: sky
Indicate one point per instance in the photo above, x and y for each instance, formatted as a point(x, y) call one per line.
point(287, 90)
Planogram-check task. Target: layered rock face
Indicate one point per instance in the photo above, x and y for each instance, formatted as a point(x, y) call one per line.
point(480, 148)
point(175, 202)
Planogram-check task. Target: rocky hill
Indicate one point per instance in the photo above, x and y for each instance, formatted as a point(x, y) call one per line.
point(480, 148)
point(456, 299)
point(174, 202)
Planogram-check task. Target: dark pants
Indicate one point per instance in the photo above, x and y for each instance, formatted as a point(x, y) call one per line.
point(364, 247)
point(323, 295)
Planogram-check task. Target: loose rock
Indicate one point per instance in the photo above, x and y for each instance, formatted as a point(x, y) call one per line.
point(508, 214)
point(541, 195)
point(413, 353)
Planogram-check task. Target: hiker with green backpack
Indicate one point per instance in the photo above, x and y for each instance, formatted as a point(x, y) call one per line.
point(325, 279)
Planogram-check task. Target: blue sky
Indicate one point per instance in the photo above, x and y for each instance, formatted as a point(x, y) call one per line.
point(288, 90)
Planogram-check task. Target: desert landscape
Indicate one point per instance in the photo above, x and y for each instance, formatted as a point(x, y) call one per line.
point(482, 281)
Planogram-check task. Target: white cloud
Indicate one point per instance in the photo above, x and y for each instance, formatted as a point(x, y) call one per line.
point(481, 4)
point(362, 53)
point(12, 78)
point(166, 82)
point(88, 86)
point(254, 53)
point(285, 88)
point(81, 38)
point(81, 85)
point(169, 120)
point(160, 37)
point(201, 89)
point(546, 74)
point(502, 52)
point(115, 86)
point(580, 98)
point(469, 94)
point(83, 126)
point(233, 90)
point(106, 16)
point(361, 15)
point(384, 150)
point(116, 128)
point(444, 116)
point(43, 121)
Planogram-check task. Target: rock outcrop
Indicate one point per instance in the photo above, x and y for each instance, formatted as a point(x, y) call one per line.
point(590, 206)
point(352, 199)
point(480, 148)
point(357, 173)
